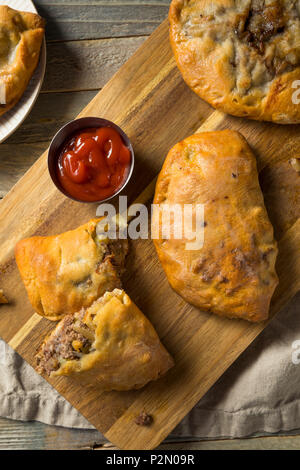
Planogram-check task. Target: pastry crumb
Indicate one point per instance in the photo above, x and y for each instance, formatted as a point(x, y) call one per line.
point(295, 163)
point(3, 299)
point(144, 419)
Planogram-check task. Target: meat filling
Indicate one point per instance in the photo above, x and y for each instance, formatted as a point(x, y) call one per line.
point(116, 252)
point(259, 37)
point(261, 23)
point(65, 344)
point(259, 26)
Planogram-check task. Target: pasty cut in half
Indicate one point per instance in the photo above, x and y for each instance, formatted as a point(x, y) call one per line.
point(21, 36)
point(66, 272)
point(233, 274)
point(111, 344)
point(242, 56)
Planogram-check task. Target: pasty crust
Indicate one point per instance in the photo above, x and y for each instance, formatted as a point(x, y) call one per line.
point(21, 36)
point(66, 272)
point(233, 274)
point(242, 57)
point(122, 350)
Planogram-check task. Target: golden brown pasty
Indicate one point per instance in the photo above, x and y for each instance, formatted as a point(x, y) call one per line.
point(243, 57)
point(64, 273)
point(21, 36)
point(110, 343)
point(233, 274)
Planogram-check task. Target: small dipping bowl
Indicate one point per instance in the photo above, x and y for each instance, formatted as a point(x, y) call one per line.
point(65, 134)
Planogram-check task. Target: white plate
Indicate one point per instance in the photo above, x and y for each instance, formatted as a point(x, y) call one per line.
point(13, 118)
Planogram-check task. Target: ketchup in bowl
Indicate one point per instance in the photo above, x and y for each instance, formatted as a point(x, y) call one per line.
point(93, 164)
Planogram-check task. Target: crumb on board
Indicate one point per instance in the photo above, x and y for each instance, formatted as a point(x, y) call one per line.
point(144, 419)
point(3, 299)
point(295, 163)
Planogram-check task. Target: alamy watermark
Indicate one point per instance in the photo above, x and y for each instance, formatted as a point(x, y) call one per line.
point(163, 221)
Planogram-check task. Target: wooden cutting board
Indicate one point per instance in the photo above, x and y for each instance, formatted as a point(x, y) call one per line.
point(150, 101)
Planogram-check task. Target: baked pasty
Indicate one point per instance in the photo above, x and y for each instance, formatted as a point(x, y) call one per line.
point(111, 343)
point(64, 273)
point(243, 57)
point(233, 274)
point(21, 36)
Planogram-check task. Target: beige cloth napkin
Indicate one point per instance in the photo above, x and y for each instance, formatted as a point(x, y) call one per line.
point(260, 393)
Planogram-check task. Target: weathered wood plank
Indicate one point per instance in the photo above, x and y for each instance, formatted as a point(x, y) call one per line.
point(75, 19)
point(35, 435)
point(257, 443)
point(86, 65)
point(50, 112)
point(18, 435)
point(14, 161)
point(23, 148)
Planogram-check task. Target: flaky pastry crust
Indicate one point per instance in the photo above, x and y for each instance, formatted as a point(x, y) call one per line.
point(233, 274)
point(66, 272)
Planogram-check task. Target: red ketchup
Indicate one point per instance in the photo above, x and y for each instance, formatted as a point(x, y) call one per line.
point(94, 164)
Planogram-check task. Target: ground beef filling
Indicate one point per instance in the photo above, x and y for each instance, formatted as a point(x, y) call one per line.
point(65, 344)
point(261, 24)
point(116, 251)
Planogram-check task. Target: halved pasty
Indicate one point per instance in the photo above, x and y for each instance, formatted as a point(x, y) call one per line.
point(66, 272)
point(21, 36)
point(111, 343)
